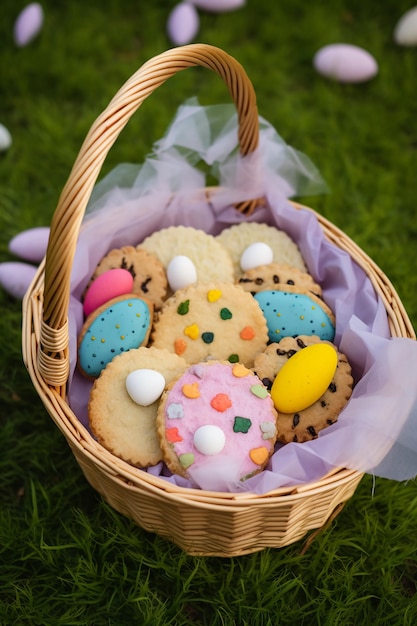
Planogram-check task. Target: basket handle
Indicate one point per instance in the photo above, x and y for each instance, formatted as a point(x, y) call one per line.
point(53, 356)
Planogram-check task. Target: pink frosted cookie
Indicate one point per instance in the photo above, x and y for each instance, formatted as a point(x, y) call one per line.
point(217, 415)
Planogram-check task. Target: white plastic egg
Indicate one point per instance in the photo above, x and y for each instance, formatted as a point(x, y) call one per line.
point(145, 386)
point(5, 138)
point(345, 63)
point(209, 439)
point(405, 32)
point(183, 23)
point(181, 272)
point(256, 254)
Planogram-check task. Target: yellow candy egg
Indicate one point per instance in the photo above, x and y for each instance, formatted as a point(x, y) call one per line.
point(304, 378)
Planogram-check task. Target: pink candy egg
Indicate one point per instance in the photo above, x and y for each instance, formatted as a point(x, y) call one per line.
point(28, 24)
point(15, 277)
point(30, 244)
point(345, 63)
point(107, 286)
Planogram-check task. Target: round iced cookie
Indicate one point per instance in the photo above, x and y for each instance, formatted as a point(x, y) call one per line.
point(290, 314)
point(120, 325)
point(237, 238)
point(279, 276)
point(219, 413)
point(123, 426)
point(209, 257)
point(211, 321)
point(305, 424)
point(149, 277)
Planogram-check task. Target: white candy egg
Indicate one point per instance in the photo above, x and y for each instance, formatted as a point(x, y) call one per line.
point(219, 6)
point(183, 23)
point(181, 272)
point(209, 439)
point(345, 63)
point(28, 24)
point(5, 138)
point(256, 254)
point(405, 32)
point(145, 386)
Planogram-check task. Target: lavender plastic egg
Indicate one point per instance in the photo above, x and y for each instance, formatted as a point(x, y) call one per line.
point(345, 63)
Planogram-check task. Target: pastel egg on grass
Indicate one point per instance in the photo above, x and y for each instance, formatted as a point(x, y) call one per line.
point(345, 63)
point(405, 31)
point(304, 378)
point(5, 138)
point(183, 23)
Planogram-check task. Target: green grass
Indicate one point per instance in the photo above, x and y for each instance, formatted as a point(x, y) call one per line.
point(66, 557)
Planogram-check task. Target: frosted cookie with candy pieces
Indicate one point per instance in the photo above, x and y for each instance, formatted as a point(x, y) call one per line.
point(189, 256)
point(291, 301)
point(124, 402)
point(251, 244)
point(118, 326)
point(211, 321)
point(298, 423)
point(216, 417)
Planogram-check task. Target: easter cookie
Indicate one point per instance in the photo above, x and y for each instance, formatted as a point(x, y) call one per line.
point(208, 257)
point(216, 416)
point(236, 239)
point(290, 314)
point(119, 325)
point(211, 321)
point(279, 276)
point(305, 424)
point(149, 277)
point(121, 424)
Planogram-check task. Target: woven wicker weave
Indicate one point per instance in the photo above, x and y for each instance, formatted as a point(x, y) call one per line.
point(201, 522)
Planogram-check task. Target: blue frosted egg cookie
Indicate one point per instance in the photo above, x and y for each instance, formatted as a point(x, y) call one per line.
point(119, 325)
point(290, 314)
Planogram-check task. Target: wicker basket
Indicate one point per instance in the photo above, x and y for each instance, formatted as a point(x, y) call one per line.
point(200, 522)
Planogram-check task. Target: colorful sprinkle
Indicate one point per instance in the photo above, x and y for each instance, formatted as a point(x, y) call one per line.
point(259, 455)
point(247, 333)
point(183, 307)
point(241, 424)
point(172, 435)
point(226, 314)
point(213, 295)
point(268, 430)
point(221, 402)
point(180, 346)
point(239, 370)
point(191, 390)
point(233, 358)
point(192, 331)
point(186, 459)
point(259, 391)
point(175, 410)
point(207, 337)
